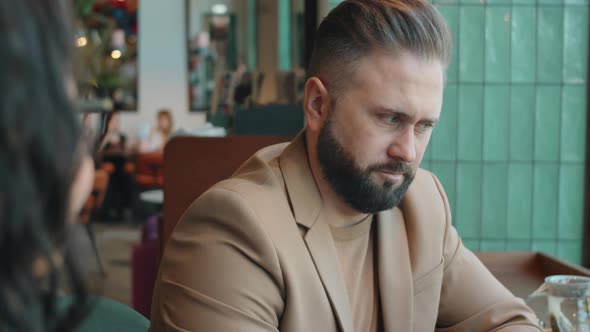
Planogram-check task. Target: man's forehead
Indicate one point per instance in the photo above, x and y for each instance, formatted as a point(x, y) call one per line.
point(411, 86)
point(385, 68)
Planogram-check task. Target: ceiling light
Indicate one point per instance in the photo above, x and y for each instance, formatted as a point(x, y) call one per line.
point(116, 54)
point(219, 9)
point(81, 42)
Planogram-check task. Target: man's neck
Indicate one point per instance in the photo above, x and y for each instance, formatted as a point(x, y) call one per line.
point(339, 213)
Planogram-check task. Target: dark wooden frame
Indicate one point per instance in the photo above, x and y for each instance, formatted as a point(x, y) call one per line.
point(311, 23)
point(523, 272)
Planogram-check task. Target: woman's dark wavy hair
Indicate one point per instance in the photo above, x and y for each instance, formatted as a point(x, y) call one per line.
point(39, 155)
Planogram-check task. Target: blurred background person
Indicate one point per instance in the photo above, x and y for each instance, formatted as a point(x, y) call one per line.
point(113, 144)
point(158, 137)
point(88, 130)
point(114, 151)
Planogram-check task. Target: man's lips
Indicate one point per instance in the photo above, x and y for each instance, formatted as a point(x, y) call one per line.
point(392, 176)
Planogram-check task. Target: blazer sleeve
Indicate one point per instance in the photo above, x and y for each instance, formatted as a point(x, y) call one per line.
point(220, 271)
point(472, 299)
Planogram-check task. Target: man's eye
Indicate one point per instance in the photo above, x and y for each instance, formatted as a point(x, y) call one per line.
point(391, 118)
point(424, 127)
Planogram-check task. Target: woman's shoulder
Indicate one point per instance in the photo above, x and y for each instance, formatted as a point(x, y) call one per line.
point(111, 315)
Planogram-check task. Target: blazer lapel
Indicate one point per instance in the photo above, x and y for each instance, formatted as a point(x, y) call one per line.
point(323, 252)
point(395, 272)
point(306, 204)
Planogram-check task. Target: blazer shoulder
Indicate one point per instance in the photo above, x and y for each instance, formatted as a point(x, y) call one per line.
point(222, 232)
point(427, 218)
point(224, 213)
point(426, 189)
point(247, 201)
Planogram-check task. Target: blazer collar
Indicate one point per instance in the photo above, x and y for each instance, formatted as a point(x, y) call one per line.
point(306, 204)
point(395, 272)
point(393, 257)
point(304, 195)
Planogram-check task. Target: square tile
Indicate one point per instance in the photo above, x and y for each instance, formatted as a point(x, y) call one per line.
point(427, 157)
point(444, 137)
point(492, 245)
point(548, 247)
point(522, 122)
point(570, 251)
point(471, 44)
point(445, 172)
point(468, 204)
point(545, 200)
point(451, 15)
point(470, 124)
point(577, 2)
point(547, 118)
point(445, 2)
point(575, 48)
point(334, 3)
point(472, 245)
point(520, 200)
point(518, 245)
point(550, 44)
point(494, 202)
point(563, 2)
point(524, 2)
point(523, 50)
point(496, 123)
point(573, 123)
point(571, 201)
point(497, 44)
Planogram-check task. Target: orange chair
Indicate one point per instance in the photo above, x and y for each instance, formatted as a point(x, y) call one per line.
point(148, 170)
point(108, 167)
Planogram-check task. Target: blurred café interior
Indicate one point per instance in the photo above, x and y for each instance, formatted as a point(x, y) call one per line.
point(177, 94)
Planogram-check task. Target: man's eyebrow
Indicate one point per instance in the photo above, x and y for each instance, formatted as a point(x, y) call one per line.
point(392, 111)
point(430, 120)
point(403, 115)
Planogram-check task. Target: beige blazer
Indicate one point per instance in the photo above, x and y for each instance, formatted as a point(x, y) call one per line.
point(255, 253)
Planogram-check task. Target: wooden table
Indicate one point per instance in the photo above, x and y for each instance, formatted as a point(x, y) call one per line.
point(523, 272)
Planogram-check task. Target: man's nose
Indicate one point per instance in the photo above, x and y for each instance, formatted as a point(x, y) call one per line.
point(403, 146)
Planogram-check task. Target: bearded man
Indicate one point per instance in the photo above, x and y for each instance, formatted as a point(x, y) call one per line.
point(340, 230)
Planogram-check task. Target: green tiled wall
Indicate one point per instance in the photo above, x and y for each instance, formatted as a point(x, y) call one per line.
point(516, 105)
point(509, 148)
point(284, 41)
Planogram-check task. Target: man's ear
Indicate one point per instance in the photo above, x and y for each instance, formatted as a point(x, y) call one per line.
point(316, 103)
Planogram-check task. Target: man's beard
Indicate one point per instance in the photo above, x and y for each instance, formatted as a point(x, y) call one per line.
point(354, 184)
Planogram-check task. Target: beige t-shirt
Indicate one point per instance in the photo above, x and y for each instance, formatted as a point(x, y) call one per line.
point(355, 248)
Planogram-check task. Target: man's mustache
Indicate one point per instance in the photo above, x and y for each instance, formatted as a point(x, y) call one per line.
point(396, 167)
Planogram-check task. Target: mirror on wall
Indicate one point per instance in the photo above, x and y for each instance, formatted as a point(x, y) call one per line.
point(106, 44)
point(239, 49)
point(221, 41)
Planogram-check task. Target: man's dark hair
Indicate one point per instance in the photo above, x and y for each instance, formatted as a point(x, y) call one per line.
point(39, 156)
point(356, 28)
